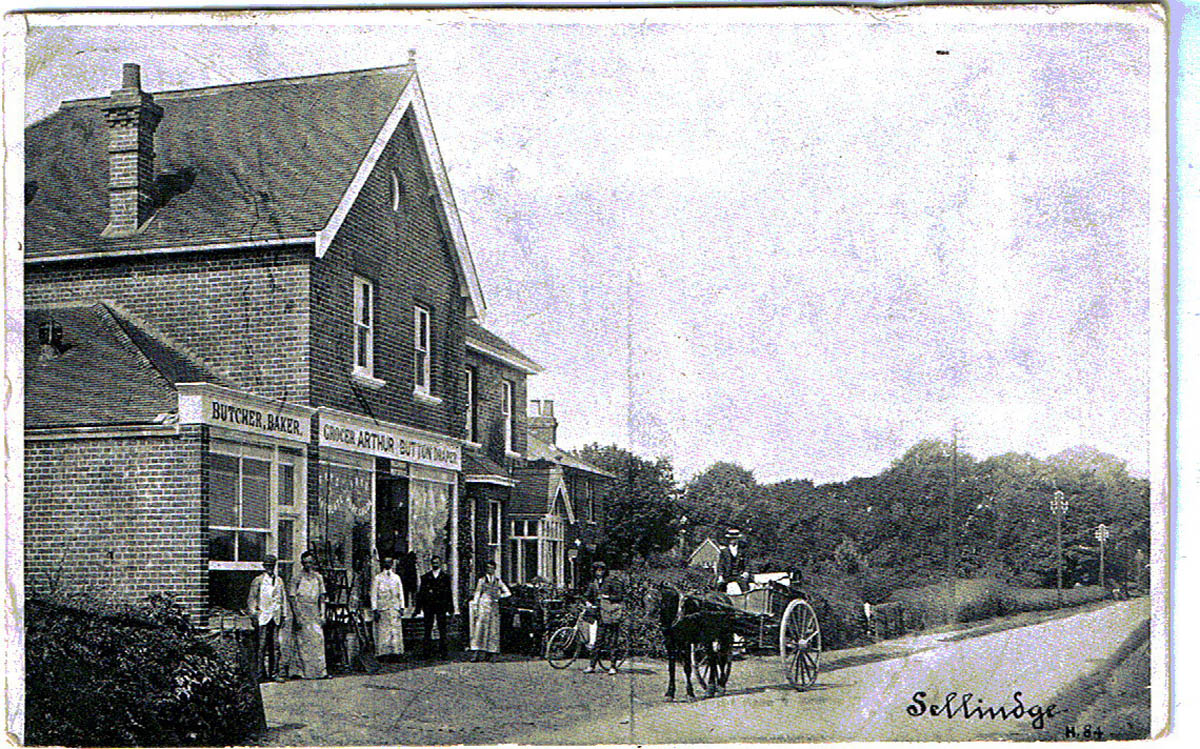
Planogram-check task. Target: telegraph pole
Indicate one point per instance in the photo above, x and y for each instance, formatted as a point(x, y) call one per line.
point(951, 531)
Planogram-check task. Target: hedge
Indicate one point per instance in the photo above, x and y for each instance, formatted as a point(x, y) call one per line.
point(970, 600)
point(105, 674)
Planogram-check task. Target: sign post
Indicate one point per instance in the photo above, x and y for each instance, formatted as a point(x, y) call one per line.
point(1102, 536)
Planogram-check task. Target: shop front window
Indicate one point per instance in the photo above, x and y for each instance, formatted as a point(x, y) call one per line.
point(428, 521)
point(343, 530)
point(252, 501)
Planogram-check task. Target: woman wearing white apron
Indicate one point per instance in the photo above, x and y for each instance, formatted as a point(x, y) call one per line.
point(485, 614)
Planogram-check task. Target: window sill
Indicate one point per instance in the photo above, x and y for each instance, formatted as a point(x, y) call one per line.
point(366, 380)
point(422, 397)
point(512, 454)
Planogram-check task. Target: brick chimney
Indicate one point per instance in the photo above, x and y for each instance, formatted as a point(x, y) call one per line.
point(132, 116)
point(542, 424)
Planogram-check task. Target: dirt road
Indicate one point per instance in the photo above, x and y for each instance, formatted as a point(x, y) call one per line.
point(863, 693)
point(873, 701)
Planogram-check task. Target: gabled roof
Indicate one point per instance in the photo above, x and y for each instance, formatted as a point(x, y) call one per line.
point(538, 490)
point(536, 450)
point(111, 370)
point(484, 341)
point(265, 162)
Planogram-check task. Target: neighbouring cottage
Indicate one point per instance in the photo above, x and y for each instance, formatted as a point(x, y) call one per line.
point(556, 514)
point(244, 335)
point(522, 489)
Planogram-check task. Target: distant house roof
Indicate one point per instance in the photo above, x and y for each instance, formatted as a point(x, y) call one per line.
point(263, 162)
point(542, 491)
point(109, 370)
point(489, 344)
point(705, 554)
point(479, 469)
point(541, 451)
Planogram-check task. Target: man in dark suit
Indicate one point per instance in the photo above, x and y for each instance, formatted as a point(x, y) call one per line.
point(731, 565)
point(434, 600)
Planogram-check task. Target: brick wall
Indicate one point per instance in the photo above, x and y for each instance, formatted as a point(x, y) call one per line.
point(478, 496)
point(489, 424)
point(404, 255)
point(116, 517)
point(244, 313)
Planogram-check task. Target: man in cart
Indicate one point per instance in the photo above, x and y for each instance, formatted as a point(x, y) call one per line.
point(732, 577)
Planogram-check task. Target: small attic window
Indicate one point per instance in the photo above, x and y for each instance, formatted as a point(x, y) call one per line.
point(397, 190)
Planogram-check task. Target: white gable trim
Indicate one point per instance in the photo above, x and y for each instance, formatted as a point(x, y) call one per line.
point(555, 488)
point(412, 97)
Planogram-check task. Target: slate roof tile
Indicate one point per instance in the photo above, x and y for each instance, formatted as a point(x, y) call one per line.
point(267, 160)
point(110, 370)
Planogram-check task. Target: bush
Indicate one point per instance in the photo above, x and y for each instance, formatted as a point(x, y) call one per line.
point(971, 600)
point(102, 674)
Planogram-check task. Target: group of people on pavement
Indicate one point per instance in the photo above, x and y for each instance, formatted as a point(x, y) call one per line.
point(289, 620)
point(389, 601)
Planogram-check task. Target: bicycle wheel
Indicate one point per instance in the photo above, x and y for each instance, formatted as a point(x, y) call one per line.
point(562, 648)
point(616, 654)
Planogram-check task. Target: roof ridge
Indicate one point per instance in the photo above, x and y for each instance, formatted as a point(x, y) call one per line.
point(125, 318)
point(109, 319)
point(187, 93)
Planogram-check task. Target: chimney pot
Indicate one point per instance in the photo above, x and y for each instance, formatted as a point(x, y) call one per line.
point(131, 76)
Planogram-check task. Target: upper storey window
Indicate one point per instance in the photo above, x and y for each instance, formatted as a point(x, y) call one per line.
point(364, 327)
point(506, 414)
point(421, 349)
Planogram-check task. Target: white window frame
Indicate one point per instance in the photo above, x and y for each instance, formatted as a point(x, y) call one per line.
point(469, 378)
point(364, 322)
point(422, 350)
point(524, 532)
point(495, 532)
point(506, 412)
point(297, 511)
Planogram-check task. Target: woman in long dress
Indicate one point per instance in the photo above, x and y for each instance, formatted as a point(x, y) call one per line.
point(308, 594)
point(388, 602)
point(485, 621)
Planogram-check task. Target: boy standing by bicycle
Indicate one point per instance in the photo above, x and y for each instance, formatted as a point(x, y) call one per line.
point(606, 594)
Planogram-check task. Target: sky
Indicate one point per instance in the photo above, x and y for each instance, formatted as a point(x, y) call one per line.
point(797, 241)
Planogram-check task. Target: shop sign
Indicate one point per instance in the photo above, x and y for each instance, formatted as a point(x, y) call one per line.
point(221, 407)
point(391, 441)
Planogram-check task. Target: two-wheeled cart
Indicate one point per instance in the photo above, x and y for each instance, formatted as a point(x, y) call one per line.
point(767, 617)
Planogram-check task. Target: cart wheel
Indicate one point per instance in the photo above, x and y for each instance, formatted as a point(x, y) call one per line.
point(800, 644)
point(562, 648)
point(710, 669)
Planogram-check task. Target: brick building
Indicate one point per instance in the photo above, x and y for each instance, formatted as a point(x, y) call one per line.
point(244, 335)
point(252, 328)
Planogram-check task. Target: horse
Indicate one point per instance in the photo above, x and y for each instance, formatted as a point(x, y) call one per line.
point(686, 624)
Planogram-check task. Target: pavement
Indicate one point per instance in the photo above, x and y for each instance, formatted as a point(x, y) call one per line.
point(861, 694)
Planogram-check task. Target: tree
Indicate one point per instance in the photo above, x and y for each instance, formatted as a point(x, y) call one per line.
point(641, 514)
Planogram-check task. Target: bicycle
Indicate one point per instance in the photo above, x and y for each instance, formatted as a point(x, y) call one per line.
point(570, 642)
